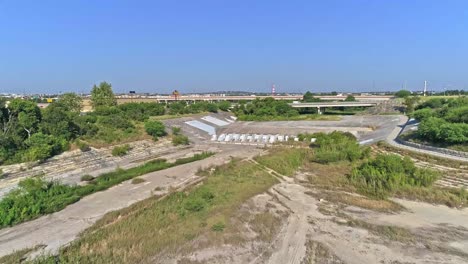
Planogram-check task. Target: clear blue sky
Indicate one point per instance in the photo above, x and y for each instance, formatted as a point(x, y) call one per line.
point(198, 46)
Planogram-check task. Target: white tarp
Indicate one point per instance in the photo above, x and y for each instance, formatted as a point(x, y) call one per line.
point(215, 121)
point(202, 126)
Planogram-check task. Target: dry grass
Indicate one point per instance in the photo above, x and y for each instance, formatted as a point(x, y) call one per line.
point(266, 225)
point(138, 180)
point(393, 233)
point(319, 253)
point(149, 228)
point(285, 161)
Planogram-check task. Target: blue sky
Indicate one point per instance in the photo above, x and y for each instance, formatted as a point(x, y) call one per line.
point(199, 46)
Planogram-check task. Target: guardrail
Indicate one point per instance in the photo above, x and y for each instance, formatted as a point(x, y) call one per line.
point(431, 148)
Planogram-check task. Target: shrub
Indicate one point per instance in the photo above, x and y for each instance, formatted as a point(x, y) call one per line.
point(87, 177)
point(403, 93)
point(218, 227)
point(82, 146)
point(195, 204)
point(120, 150)
point(423, 114)
point(155, 129)
point(337, 146)
point(180, 140)
point(138, 180)
point(176, 130)
point(387, 173)
point(224, 106)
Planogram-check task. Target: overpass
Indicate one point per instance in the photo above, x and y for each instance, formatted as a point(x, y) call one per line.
point(321, 105)
point(235, 98)
point(122, 99)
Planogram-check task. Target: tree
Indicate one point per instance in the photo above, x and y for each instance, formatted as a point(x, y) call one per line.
point(224, 106)
point(402, 93)
point(350, 98)
point(411, 102)
point(155, 129)
point(26, 113)
point(309, 98)
point(103, 95)
point(59, 122)
point(70, 102)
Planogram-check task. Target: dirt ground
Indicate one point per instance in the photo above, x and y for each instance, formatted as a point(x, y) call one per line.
point(310, 229)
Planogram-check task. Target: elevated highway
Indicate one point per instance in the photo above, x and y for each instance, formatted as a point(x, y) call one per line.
point(321, 105)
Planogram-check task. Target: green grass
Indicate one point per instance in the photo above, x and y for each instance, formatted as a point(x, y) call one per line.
point(36, 197)
point(142, 231)
point(119, 151)
point(285, 161)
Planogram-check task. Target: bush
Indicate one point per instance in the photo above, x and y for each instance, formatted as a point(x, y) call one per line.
point(224, 106)
point(176, 130)
point(87, 177)
point(82, 146)
point(423, 114)
point(180, 140)
point(218, 227)
point(155, 129)
point(337, 146)
point(403, 93)
point(138, 180)
point(120, 150)
point(387, 173)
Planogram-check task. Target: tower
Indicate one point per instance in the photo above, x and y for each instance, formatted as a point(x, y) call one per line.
point(273, 90)
point(425, 88)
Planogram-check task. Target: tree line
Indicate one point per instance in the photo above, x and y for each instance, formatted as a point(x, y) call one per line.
point(28, 133)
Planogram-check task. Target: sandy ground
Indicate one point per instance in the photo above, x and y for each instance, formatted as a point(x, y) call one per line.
point(313, 230)
point(58, 229)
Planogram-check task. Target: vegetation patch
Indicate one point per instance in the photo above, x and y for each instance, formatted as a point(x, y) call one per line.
point(285, 161)
point(152, 226)
point(443, 122)
point(386, 173)
point(35, 197)
point(337, 146)
point(87, 178)
point(138, 180)
point(120, 151)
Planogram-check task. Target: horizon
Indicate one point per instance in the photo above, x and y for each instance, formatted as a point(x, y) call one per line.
point(156, 47)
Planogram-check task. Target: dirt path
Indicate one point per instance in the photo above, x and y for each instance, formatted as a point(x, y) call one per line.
point(58, 229)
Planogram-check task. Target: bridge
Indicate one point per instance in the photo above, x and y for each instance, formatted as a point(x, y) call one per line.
point(322, 105)
point(122, 99)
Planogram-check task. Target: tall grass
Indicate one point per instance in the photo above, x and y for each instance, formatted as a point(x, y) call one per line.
point(35, 196)
point(285, 161)
point(337, 146)
point(387, 173)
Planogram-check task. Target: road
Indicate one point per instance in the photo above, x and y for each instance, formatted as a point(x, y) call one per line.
point(401, 126)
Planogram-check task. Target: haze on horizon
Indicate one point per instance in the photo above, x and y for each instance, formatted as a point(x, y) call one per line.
point(201, 46)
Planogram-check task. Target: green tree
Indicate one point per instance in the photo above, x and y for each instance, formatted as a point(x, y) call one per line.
point(224, 106)
point(155, 129)
point(71, 102)
point(26, 113)
point(103, 95)
point(58, 121)
point(309, 98)
point(410, 103)
point(403, 94)
point(350, 98)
